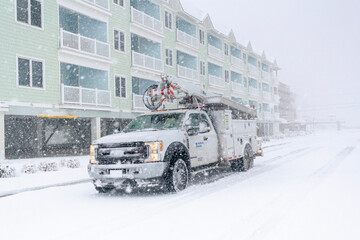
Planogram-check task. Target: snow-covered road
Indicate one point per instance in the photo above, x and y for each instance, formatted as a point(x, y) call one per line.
point(304, 188)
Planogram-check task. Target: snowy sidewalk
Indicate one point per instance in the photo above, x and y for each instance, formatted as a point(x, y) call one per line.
point(27, 182)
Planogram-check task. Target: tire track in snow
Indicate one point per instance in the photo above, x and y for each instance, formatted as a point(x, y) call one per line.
point(290, 199)
point(195, 191)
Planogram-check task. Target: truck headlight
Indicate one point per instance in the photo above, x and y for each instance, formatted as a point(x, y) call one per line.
point(154, 151)
point(93, 150)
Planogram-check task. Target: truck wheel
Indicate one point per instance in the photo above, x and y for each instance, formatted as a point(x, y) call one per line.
point(104, 189)
point(178, 178)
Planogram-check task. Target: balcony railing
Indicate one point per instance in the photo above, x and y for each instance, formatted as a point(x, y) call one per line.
point(138, 103)
point(215, 52)
point(101, 3)
point(276, 98)
point(85, 96)
point(187, 39)
point(277, 115)
point(276, 80)
point(267, 115)
point(237, 87)
point(253, 69)
point(254, 91)
point(84, 44)
point(237, 62)
point(266, 75)
point(266, 95)
point(188, 73)
point(146, 20)
point(216, 81)
point(145, 61)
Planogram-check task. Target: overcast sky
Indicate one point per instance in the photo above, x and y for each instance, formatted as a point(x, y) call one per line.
point(315, 42)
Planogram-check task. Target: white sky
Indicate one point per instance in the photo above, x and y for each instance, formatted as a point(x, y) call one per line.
point(315, 42)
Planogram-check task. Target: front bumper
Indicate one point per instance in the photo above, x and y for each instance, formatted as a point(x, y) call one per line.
point(139, 173)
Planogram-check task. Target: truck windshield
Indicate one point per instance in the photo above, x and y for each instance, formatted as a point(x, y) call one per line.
point(156, 122)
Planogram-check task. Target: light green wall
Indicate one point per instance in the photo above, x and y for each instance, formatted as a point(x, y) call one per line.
point(25, 40)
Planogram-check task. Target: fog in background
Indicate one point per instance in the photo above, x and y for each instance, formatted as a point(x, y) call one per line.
point(315, 42)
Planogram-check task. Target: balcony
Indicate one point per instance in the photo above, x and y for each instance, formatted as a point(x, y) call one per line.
point(187, 39)
point(277, 115)
point(138, 103)
point(266, 95)
point(276, 80)
point(188, 73)
point(85, 96)
point(237, 87)
point(276, 98)
point(253, 91)
point(146, 20)
point(266, 75)
point(267, 115)
point(83, 44)
point(237, 62)
point(215, 81)
point(215, 52)
point(100, 3)
point(254, 70)
point(145, 61)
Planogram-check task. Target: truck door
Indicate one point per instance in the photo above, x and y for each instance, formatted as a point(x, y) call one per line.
point(210, 140)
point(196, 141)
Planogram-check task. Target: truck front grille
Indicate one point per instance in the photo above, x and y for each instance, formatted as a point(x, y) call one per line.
point(124, 153)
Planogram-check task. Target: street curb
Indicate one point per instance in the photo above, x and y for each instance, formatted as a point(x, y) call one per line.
point(10, 193)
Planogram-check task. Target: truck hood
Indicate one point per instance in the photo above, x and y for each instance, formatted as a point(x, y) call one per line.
point(143, 136)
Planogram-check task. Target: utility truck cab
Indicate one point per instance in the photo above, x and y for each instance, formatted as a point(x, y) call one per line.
point(166, 147)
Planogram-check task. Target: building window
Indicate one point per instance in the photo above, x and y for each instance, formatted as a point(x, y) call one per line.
point(120, 87)
point(244, 57)
point(226, 49)
point(168, 57)
point(226, 76)
point(30, 73)
point(202, 36)
point(119, 2)
point(79, 76)
point(168, 20)
point(29, 12)
point(119, 40)
point(202, 68)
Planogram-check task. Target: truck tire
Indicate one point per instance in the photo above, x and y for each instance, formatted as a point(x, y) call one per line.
point(247, 159)
point(178, 177)
point(104, 189)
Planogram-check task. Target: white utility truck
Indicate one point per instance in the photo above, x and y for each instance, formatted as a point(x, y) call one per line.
point(167, 147)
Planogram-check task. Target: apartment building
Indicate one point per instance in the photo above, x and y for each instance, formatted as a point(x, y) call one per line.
point(75, 70)
point(287, 104)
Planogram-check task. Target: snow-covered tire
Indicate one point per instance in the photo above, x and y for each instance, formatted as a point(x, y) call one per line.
point(178, 177)
point(104, 190)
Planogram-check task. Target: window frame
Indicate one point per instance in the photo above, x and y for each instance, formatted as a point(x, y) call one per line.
point(119, 34)
point(31, 59)
point(120, 77)
point(202, 68)
point(227, 76)
point(169, 56)
point(168, 16)
point(117, 4)
point(29, 15)
point(226, 49)
point(202, 36)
